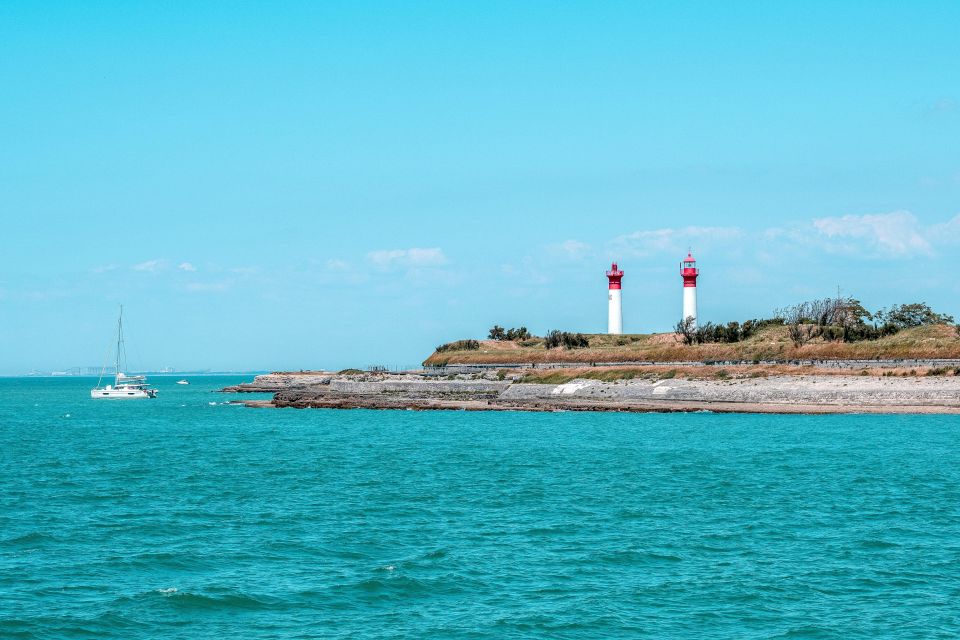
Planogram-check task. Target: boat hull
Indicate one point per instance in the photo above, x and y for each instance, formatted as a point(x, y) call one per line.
point(123, 394)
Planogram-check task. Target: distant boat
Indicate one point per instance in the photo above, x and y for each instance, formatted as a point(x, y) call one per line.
point(124, 387)
point(182, 382)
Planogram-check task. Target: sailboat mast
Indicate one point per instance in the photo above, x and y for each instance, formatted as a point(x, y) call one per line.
point(119, 344)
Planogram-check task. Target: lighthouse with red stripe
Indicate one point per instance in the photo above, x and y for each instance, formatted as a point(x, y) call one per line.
point(614, 309)
point(689, 273)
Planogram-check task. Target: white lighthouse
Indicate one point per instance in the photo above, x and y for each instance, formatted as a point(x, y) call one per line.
point(614, 309)
point(689, 273)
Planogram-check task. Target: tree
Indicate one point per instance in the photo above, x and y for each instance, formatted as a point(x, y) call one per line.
point(518, 334)
point(918, 314)
point(686, 329)
point(497, 333)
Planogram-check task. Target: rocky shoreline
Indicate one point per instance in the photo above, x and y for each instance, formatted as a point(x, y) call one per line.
point(856, 392)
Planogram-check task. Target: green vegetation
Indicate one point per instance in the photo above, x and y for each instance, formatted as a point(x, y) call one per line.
point(846, 320)
point(826, 329)
point(499, 333)
point(459, 345)
point(557, 339)
point(771, 343)
point(350, 372)
point(831, 319)
point(708, 332)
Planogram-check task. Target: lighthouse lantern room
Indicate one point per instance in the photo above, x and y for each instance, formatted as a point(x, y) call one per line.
point(689, 273)
point(614, 308)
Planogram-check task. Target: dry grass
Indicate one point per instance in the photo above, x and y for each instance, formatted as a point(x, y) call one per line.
point(772, 343)
point(736, 372)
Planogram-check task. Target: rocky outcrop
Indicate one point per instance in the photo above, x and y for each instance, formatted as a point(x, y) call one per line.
point(774, 394)
point(274, 382)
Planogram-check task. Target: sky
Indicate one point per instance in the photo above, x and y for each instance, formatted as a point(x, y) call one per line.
point(300, 185)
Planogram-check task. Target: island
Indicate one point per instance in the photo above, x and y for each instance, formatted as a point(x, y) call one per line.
point(769, 369)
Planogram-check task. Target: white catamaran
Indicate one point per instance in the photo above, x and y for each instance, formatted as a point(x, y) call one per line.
point(124, 387)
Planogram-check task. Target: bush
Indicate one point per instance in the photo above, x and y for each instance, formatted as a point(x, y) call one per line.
point(686, 330)
point(555, 339)
point(501, 334)
point(729, 333)
point(917, 314)
point(459, 345)
point(846, 319)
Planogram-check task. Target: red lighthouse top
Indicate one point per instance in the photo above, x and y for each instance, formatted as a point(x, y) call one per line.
point(689, 271)
point(614, 276)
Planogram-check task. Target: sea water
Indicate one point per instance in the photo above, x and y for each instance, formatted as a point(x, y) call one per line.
point(184, 517)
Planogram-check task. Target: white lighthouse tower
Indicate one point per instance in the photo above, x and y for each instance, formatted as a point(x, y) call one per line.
point(614, 309)
point(689, 273)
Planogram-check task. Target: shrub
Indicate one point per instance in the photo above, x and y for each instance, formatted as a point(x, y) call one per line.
point(728, 333)
point(499, 333)
point(686, 330)
point(557, 338)
point(459, 345)
point(917, 314)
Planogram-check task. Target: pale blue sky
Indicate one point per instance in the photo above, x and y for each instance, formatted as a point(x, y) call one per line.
point(292, 185)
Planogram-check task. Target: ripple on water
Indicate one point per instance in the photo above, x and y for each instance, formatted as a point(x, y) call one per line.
point(177, 519)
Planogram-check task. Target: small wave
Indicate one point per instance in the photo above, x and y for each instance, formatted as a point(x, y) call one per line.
point(32, 538)
point(636, 556)
point(227, 600)
point(878, 544)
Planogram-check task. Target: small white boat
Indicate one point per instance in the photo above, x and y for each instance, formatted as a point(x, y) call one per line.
point(124, 387)
point(182, 382)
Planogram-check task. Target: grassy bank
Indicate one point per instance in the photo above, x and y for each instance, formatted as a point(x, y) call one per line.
point(771, 343)
point(736, 372)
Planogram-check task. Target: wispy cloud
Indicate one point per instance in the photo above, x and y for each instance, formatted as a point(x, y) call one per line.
point(245, 271)
point(671, 240)
point(943, 105)
point(571, 249)
point(414, 257)
point(104, 268)
point(186, 266)
point(894, 234)
point(150, 266)
point(206, 287)
point(335, 264)
point(948, 232)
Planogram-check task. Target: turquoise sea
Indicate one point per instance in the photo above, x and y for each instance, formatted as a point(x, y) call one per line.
point(184, 517)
